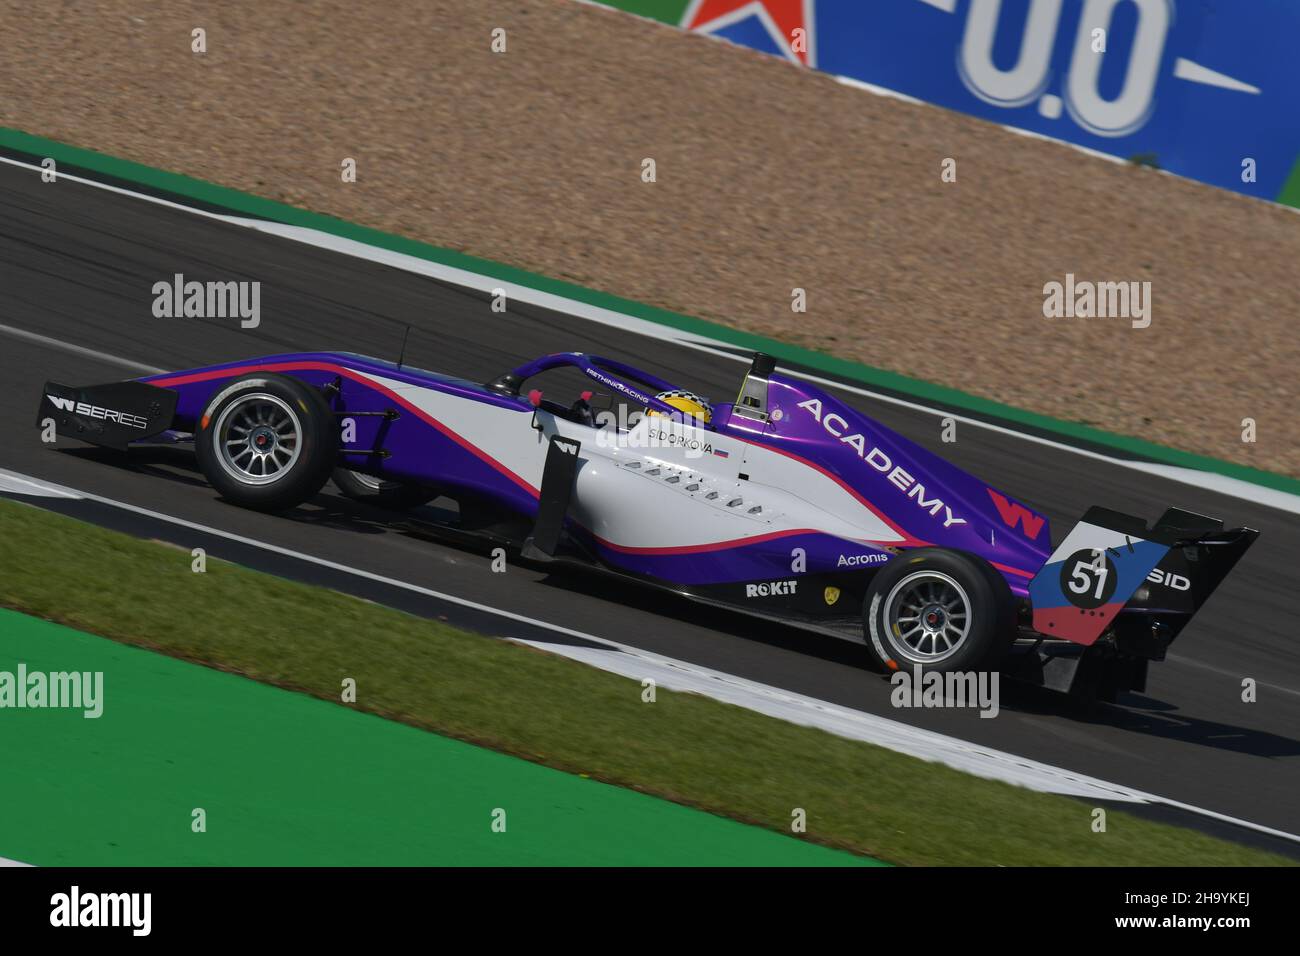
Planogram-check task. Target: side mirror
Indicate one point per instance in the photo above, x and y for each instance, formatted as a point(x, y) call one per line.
point(535, 399)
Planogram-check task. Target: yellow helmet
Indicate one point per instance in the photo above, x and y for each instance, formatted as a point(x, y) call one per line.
point(688, 402)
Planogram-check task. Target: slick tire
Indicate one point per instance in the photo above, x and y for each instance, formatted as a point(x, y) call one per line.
point(369, 490)
point(267, 442)
point(940, 609)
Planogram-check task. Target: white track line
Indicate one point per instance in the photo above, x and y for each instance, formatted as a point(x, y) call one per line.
point(858, 725)
point(12, 332)
point(1211, 481)
point(16, 484)
point(638, 664)
point(627, 323)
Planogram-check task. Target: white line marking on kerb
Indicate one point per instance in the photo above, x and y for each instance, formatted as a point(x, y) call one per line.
point(13, 483)
point(1210, 481)
point(859, 725)
point(773, 701)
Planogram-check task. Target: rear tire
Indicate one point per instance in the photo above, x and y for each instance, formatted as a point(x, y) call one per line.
point(943, 610)
point(369, 490)
point(267, 442)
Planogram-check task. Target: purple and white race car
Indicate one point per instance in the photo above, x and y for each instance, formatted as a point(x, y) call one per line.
point(786, 503)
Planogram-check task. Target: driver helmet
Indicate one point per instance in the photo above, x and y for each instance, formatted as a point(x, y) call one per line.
point(688, 402)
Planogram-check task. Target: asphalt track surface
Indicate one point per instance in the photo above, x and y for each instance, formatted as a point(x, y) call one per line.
point(77, 264)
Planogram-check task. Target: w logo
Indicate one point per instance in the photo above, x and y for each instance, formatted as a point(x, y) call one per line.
point(1014, 513)
point(67, 404)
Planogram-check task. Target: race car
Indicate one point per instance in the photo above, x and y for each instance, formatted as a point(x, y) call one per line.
point(786, 503)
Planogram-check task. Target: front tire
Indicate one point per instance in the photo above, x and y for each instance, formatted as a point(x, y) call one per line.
point(942, 610)
point(267, 442)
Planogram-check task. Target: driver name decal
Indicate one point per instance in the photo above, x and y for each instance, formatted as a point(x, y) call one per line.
point(661, 438)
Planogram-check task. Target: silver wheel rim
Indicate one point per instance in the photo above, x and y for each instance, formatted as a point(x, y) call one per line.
point(258, 439)
point(928, 613)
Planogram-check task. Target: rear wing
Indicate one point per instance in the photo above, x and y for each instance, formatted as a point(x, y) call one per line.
point(1108, 556)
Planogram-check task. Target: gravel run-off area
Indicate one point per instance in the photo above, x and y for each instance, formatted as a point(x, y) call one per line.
point(769, 178)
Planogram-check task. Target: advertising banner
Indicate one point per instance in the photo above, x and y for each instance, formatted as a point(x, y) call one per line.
point(1207, 89)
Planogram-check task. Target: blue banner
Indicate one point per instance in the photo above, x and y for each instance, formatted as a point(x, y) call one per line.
point(1208, 89)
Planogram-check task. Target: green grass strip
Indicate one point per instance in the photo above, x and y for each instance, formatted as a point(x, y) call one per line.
point(665, 11)
point(287, 780)
point(246, 204)
point(547, 709)
point(1290, 194)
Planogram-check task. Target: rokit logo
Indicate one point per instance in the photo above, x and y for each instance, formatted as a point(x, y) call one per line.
point(97, 411)
point(1169, 580)
point(771, 589)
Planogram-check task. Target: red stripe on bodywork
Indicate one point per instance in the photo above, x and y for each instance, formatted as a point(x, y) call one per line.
point(710, 546)
point(1082, 626)
point(908, 541)
point(424, 416)
point(369, 383)
point(1008, 568)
